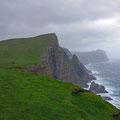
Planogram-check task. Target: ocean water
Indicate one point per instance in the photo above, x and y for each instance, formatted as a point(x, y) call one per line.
point(108, 75)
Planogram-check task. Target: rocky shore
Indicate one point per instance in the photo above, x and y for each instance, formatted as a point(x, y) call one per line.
point(96, 88)
point(107, 98)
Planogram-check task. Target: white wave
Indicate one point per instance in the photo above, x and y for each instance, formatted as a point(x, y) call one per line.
point(94, 72)
point(88, 65)
point(115, 102)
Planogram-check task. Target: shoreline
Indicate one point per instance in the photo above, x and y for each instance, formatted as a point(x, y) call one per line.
point(105, 95)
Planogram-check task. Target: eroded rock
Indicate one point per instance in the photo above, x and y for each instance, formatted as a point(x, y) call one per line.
point(96, 88)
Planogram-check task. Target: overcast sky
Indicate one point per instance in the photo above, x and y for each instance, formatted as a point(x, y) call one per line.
point(79, 24)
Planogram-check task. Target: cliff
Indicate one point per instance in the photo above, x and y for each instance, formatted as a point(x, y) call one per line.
point(81, 71)
point(60, 65)
point(41, 54)
point(92, 57)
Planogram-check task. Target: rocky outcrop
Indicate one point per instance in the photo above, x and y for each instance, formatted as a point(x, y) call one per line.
point(81, 71)
point(92, 57)
point(58, 64)
point(107, 98)
point(96, 88)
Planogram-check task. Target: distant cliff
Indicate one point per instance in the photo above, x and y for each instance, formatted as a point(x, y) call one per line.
point(92, 57)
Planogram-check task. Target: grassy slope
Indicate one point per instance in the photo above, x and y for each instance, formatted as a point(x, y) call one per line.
point(24, 52)
point(29, 96)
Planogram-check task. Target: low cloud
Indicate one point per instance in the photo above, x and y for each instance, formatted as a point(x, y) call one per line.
point(78, 24)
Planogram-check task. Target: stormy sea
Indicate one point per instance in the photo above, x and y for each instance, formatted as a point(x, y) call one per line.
point(108, 75)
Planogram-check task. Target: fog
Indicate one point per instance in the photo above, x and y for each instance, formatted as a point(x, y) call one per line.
point(81, 25)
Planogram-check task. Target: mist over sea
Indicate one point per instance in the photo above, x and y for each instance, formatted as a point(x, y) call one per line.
point(108, 75)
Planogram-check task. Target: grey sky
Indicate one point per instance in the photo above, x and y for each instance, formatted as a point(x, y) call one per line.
point(79, 24)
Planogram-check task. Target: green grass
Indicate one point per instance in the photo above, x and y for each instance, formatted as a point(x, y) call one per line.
point(30, 96)
point(25, 51)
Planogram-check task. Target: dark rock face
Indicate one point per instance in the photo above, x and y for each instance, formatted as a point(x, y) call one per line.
point(92, 57)
point(61, 65)
point(69, 54)
point(97, 88)
point(81, 71)
point(107, 98)
point(79, 67)
point(91, 77)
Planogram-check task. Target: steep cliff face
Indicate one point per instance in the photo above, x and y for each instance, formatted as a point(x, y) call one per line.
point(92, 57)
point(60, 66)
point(81, 71)
point(56, 64)
point(69, 54)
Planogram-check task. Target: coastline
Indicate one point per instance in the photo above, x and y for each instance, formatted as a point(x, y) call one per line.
point(106, 96)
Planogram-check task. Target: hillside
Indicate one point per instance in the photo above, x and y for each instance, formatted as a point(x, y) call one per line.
point(27, 95)
point(92, 56)
point(30, 96)
point(25, 51)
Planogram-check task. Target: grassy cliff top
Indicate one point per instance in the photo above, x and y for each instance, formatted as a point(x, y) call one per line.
point(24, 51)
